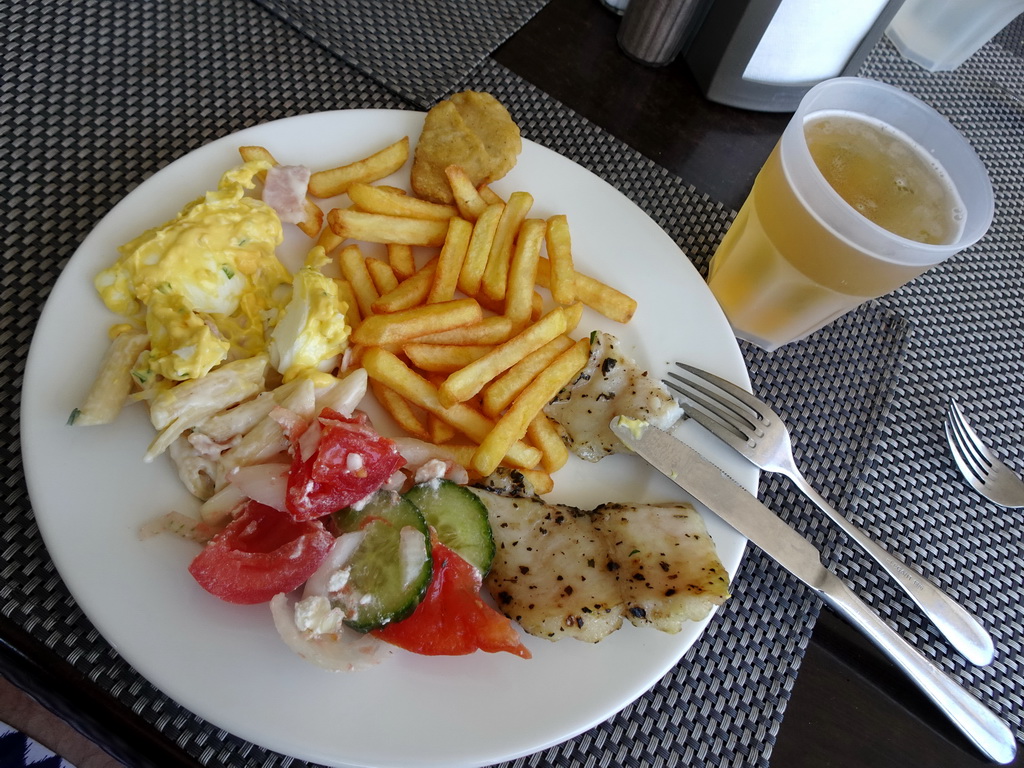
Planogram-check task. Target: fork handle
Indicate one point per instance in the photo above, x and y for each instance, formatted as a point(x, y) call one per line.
point(958, 626)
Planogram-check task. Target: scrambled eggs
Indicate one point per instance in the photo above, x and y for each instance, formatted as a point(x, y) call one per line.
point(312, 328)
point(208, 288)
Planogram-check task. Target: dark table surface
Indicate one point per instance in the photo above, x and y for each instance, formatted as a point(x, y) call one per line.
point(850, 706)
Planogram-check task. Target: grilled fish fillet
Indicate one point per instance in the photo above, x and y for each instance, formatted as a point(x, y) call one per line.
point(561, 572)
point(668, 569)
point(610, 385)
point(550, 572)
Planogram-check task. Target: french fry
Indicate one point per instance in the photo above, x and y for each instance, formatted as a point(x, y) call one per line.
point(479, 249)
point(489, 195)
point(522, 274)
point(328, 240)
point(313, 220)
point(411, 292)
point(500, 393)
point(467, 198)
point(400, 409)
point(449, 262)
point(443, 358)
point(383, 276)
point(400, 257)
point(353, 268)
point(373, 168)
point(112, 384)
point(466, 382)
point(515, 421)
point(393, 373)
point(573, 315)
point(440, 431)
point(352, 314)
point(563, 275)
point(396, 203)
point(491, 330)
point(378, 228)
point(462, 454)
point(541, 481)
point(544, 435)
point(612, 303)
point(407, 324)
point(538, 309)
point(495, 276)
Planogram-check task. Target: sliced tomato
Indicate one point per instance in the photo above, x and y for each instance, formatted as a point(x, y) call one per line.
point(262, 552)
point(452, 619)
point(350, 462)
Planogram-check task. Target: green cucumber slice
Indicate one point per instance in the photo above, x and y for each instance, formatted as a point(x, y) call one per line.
point(459, 517)
point(390, 570)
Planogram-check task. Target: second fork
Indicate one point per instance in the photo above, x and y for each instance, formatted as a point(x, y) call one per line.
point(757, 433)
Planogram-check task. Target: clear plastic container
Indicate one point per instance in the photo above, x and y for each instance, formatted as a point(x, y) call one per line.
point(798, 256)
point(940, 35)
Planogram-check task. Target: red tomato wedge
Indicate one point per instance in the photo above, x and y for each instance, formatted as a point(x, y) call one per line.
point(452, 619)
point(262, 552)
point(350, 462)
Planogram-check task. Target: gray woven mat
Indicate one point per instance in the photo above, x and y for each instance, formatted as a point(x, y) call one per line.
point(421, 49)
point(103, 93)
point(966, 341)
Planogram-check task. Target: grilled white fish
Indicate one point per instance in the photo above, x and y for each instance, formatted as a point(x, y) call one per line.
point(550, 570)
point(667, 567)
point(564, 572)
point(610, 385)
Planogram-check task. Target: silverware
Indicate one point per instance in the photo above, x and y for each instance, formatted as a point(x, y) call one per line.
point(759, 435)
point(983, 471)
point(710, 486)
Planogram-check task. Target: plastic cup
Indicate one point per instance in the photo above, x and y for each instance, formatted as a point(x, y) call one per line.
point(940, 35)
point(798, 256)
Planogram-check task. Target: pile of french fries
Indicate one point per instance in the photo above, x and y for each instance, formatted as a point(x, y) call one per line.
point(460, 349)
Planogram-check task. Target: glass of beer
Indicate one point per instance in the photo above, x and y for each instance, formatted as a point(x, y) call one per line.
point(867, 188)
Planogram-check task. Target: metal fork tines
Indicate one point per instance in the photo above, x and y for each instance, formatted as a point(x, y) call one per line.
point(755, 431)
point(980, 467)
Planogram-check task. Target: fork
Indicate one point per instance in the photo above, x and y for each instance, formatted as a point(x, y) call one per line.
point(983, 471)
point(757, 433)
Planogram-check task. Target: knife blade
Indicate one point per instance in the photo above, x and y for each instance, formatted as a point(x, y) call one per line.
point(713, 488)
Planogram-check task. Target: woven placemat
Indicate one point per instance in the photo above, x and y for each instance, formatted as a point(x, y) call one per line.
point(966, 342)
point(421, 49)
point(103, 93)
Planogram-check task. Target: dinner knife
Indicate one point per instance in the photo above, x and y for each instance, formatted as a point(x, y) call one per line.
point(713, 488)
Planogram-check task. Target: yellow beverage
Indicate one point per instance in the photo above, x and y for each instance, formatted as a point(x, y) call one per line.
point(780, 273)
point(885, 177)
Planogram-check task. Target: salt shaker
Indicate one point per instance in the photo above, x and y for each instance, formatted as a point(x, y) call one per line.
point(655, 31)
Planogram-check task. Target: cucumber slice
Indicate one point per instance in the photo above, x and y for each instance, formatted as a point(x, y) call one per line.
point(460, 519)
point(390, 571)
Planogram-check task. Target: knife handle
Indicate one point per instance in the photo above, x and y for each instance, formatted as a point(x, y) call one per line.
point(982, 726)
point(958, 626)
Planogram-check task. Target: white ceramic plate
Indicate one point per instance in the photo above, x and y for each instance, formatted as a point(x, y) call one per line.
point(91, 492)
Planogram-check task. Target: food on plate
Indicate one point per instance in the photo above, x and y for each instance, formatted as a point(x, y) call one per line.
point(389, 567)
point(336, 181)
point(204, 284)
point(254, 377)
point(452, 619)
point(561, 572)
point(312, 328)
point(293, 204)
point(471, 130)
point(667, 566)
point(611, 384)
point(259, 554)
point(550, 572)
